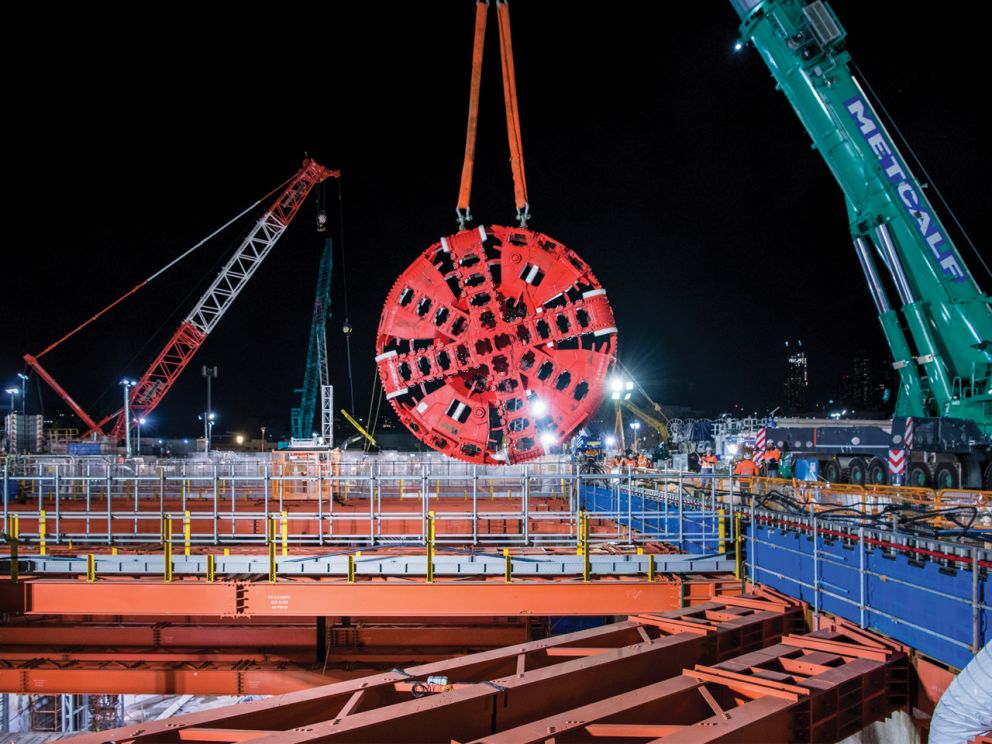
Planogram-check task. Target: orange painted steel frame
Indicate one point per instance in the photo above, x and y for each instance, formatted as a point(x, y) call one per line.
point(230, 659)
point(658, 677)
point(496, 689)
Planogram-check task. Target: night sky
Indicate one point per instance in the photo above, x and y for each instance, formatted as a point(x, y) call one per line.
point(666, 160)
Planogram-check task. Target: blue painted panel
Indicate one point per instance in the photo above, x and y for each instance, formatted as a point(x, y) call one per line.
point(899, 593)
point(897, 601)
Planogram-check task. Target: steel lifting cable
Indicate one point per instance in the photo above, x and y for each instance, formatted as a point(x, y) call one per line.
point(512, 114)
point(923, 170)
point(344, 285)
point(161, 271)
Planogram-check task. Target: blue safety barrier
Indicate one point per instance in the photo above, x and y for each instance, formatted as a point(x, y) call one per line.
point(694, 530)
point(940, 610)
point(940, 607)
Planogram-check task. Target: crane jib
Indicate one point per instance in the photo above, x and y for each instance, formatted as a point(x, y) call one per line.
point(906, 188)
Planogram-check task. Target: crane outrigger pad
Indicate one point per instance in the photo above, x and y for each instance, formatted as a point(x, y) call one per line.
point(495, 344)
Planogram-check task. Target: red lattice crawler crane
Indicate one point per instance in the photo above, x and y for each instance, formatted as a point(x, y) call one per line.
point(494, 345)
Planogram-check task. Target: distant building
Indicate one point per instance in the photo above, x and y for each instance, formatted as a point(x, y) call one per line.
point(864, 386)
point(796, 387)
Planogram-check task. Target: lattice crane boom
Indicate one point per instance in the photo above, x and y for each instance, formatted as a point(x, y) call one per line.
point(315, 377)
point(193, 331)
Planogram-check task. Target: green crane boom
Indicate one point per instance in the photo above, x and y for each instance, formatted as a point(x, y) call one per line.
point(945, 360)
point(315, 378)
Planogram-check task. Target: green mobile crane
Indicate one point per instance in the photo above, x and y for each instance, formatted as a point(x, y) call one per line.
point(940, 333)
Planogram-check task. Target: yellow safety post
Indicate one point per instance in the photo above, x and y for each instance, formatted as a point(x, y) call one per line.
point(91, 568)
point(465, 497)
point(186, 533)
point(41, 533)
point(437, 489)
point(211, 569)
point(581, 537)
point(738, 544)
point(271, 531)
point(508, 575)
point(167, 532)
point(584, 523)
point(14, 540)
point(351, 566)
point(430, 547)
point(285, 533)
point(401, 488)
point(70, 543)
point(492, 490)
point(651, 567)
point(113, 551)
point(721, 531)
point(227, 551)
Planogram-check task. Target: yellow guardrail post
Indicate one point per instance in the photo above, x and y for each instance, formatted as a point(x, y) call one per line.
point(211, 569)
point(585, 546)
point(581, 537)
point(492, 490)
point(42, 550)
point(430, 547)
point(186, 533)
point(285, 533)
point(640, 551)
point(14, 538)
point(738, 544)
point(271, 530)
point(508, 570)
point(351, 566)
point(167, 548)
point(401, 488)
point(721, 530)
point(91, 568)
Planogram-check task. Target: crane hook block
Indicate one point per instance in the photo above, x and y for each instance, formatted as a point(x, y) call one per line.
point(494, 345)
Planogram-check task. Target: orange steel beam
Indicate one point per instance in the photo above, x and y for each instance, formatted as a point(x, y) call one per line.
point(494, 690)
point(389, 597)
point(266, 637)
point(675, 707)
point(167, 679)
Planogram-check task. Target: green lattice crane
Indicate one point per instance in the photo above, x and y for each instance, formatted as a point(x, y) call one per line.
point(316, 381)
